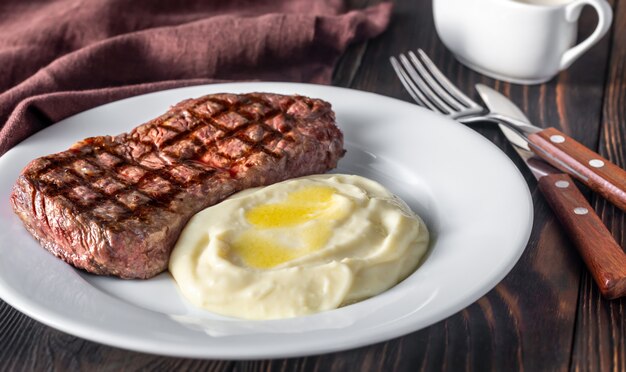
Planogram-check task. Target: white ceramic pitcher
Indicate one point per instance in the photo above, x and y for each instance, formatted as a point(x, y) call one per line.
point(521, 41)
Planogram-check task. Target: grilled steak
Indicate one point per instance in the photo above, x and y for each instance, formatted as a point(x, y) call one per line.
point(116, 205)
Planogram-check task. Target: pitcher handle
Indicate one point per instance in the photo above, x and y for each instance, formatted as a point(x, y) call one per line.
point(572, 12)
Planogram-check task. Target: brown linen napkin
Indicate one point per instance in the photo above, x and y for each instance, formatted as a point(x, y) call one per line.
point(65, 56)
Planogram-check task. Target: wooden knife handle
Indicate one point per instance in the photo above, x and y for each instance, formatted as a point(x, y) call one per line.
point(603, 256)
point(571, 157)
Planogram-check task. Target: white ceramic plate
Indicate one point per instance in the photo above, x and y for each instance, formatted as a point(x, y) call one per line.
point(472, 197)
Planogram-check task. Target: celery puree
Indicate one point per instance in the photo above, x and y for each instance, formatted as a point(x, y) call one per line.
point(297, 247)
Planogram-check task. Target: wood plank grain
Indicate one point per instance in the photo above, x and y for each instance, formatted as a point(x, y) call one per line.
point(26, 345)
point(600, 338)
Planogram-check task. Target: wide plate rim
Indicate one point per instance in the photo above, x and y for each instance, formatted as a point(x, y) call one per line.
point(29, 306)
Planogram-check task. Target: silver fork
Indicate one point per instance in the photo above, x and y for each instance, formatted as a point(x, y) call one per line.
point(431, 89)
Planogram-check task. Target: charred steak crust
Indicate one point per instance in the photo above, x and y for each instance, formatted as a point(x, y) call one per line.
point(116, 205)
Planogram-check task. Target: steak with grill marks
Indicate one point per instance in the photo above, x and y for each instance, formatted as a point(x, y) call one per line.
point(115, 205)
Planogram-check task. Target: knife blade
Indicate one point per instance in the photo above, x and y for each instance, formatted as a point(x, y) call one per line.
point(563, 152)
point(602, 255)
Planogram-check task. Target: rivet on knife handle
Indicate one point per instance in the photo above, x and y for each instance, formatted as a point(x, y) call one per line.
point(603, 256)
point(598, 173)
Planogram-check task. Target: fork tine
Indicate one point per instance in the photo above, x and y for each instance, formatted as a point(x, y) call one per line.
point(443, 81)
point(410, 87)
point(436, 104)
point(406, 82)
point(441, 93)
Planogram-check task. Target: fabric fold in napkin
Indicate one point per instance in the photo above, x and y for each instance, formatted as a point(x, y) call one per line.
point(64, 56)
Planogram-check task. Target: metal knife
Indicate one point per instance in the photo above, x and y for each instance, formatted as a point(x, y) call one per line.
point(571, 157)
point(604, 258)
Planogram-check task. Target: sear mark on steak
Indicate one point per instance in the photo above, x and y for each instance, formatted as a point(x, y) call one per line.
point(116, 205)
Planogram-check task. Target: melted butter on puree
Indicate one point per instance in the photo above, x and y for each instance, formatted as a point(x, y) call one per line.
point(297, 247)
point(310, 207)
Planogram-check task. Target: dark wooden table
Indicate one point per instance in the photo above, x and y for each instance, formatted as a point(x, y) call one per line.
point(547, 314)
